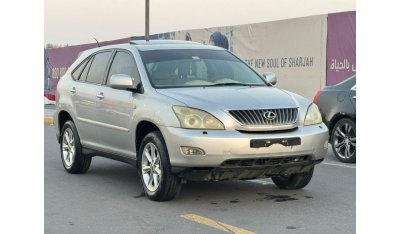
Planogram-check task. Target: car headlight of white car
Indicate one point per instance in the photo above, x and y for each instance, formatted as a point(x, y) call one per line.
point(313, 115)
point(196, 119)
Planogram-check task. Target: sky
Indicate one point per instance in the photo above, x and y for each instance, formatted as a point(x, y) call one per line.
point(75, 22)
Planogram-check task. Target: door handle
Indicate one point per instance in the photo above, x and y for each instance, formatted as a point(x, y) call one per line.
point(73, 90)
point(354, 97)
point(100, 96)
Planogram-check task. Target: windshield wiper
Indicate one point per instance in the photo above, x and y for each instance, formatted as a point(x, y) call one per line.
point(230, 83)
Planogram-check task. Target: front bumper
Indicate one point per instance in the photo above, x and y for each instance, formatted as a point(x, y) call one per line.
point(224, 145)
point(249, 169)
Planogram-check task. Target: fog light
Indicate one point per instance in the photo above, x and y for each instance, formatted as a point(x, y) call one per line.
point(187, 150)
point(326, 145)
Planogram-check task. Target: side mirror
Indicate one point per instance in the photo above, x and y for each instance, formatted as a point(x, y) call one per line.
point(121, 81)
point(270, 77)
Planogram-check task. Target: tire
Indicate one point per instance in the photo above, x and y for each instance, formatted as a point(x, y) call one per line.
point(153, 166)
point(74, 161)
point(294, 181)
point(343, 140)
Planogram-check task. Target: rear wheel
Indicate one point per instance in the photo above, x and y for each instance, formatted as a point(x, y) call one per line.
point(343, 140)
point(74, 161)
point(159, 183)
point(293, 181)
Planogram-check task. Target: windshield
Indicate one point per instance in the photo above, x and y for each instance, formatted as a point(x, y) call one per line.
point(197, 67)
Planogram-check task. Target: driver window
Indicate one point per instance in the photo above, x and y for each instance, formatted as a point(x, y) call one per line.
point(123, 63)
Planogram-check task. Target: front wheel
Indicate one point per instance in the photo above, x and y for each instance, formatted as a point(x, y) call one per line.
point(294, 181)
point(159, 183)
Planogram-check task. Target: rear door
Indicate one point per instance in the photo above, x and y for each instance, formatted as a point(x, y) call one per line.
point(82, 98)
point(85, 97)
point(117, 107)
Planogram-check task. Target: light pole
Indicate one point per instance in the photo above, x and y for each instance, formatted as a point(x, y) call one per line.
point(147, 37)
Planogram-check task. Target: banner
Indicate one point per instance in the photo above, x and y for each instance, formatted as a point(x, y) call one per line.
point(341, 47)
point(305, 53)
point(294, 49)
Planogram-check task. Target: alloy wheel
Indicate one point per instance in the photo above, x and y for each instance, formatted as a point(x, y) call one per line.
point(151, 167)
point(68, 147)
point(344, 140)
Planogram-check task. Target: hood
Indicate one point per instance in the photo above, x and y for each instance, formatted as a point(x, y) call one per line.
point(232, 97)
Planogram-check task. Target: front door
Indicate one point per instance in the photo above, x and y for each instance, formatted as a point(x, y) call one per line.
point(117, 108)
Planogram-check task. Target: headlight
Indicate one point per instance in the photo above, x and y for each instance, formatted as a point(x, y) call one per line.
point(313, 116)
point(197, 119)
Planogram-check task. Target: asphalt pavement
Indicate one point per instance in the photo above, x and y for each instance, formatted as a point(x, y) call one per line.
point(109, 199)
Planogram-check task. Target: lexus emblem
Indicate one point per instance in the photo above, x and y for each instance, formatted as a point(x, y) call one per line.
point(269, 115)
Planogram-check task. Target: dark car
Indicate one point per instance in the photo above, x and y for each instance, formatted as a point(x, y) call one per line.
point(337, 104)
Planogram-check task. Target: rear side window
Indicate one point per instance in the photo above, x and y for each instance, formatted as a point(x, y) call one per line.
point(123, 63)
point(76, 74)
point(98, 67)
point(86, 70)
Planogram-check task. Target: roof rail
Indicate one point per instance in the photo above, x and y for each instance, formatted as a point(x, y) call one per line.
point(158, 42)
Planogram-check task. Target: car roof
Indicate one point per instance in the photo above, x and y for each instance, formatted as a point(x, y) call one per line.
point(344, 85)
point(143, 45)
point(349, 82)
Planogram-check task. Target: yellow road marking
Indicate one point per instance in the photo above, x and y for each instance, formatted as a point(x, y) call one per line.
point(216, 224)
point(48, 121)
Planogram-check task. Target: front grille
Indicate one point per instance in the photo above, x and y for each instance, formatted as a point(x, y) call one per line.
point(256, 117)
point(265, 161)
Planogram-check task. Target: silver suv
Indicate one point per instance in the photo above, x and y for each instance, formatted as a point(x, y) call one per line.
point(185, 111)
